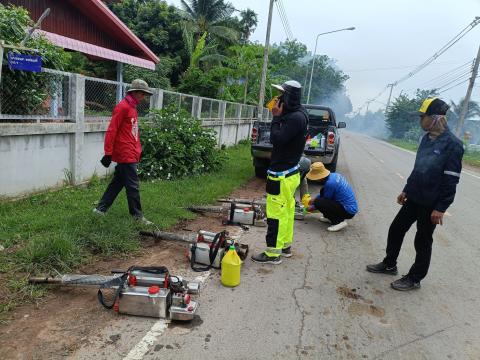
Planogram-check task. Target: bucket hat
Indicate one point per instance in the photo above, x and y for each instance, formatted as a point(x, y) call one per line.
point(317, 171)
point(139, 85)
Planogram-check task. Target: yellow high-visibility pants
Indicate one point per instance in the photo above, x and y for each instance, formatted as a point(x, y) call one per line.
point(280, 212)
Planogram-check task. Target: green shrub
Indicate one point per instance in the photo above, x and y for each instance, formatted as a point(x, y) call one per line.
point(176, 145)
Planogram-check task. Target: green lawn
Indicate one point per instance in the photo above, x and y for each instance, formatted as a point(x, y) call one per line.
point(470, 157)
point(57, 230)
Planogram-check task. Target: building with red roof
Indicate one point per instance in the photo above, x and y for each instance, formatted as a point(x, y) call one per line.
point(89, 27)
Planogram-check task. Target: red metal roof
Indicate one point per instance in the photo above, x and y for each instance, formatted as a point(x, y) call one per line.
point(95, 50)
point(98, 12)
point(89, 26)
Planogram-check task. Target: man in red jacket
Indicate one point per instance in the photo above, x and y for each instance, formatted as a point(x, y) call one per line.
point(122, 145)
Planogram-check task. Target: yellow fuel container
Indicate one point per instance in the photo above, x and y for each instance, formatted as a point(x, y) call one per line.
point(231, 266)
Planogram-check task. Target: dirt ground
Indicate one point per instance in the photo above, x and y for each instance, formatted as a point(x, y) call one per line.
point(69, 317)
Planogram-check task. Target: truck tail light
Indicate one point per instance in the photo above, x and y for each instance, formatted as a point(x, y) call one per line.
point(331, 138)
point(254, 135)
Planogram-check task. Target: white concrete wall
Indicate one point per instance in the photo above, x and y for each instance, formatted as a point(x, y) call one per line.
point(35, 157)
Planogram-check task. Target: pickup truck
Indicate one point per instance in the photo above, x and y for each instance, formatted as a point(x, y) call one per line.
point(321, 120)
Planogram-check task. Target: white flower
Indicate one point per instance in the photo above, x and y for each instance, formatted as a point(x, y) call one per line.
point(161, 168)
point(169, 148)
point(148, 174)
point(150, 140)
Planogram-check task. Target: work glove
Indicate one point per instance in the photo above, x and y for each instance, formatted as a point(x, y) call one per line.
point(106, 160)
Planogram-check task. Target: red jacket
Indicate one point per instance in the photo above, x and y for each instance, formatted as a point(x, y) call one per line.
point(122, 140)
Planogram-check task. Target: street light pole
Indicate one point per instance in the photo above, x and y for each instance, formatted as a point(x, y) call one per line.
point(314, 55)
point(265, 64)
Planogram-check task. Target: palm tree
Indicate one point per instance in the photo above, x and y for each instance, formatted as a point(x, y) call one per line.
point(210, 16)
point(456, 110)
point(248, 23)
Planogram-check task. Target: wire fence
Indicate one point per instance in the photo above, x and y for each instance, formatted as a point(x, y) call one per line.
point(41, 96)
point(47, 97)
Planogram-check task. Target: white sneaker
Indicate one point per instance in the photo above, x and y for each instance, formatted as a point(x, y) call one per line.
point(144, 221)
point(324, 220)
point(338, 227)
point(98, 212)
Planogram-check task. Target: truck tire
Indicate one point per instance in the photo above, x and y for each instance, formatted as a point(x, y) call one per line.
point(333, 165)
point(260, 172)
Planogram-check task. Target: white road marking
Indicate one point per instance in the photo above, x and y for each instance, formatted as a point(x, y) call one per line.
point(139, 351)
point(400, 176)
point(381, 161)
point(469, 173)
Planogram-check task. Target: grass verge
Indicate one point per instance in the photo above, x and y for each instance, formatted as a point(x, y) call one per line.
point(470, 157)
point(58, 231)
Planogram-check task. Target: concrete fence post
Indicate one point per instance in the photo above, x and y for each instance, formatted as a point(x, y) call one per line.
point(221, 113)
point(77, 106)
point(198, 115)
point(156, 100)
point(194, 109)
point(238, 116)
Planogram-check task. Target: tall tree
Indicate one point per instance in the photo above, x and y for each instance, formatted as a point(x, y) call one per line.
point(398, 118)
point(455, 109)
point(159, 26)
point(247, 24)
point(210, 16)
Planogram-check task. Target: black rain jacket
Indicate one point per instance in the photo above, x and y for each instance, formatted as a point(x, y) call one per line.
point(288, 133)
point(436, 172)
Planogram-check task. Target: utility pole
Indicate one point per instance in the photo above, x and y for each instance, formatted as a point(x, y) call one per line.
point(461, 119)
point(368, 104)
point(265, 63)
point(389, 97)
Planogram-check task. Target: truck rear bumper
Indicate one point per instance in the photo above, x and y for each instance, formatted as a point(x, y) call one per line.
point(260, 153)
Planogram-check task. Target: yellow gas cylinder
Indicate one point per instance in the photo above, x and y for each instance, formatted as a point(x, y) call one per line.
point(231, 265)
point(306, 200)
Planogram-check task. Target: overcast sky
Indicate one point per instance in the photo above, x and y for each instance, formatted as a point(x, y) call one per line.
point(391, 37)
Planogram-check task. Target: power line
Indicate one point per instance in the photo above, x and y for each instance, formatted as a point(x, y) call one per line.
point(431, 59)
point(458, 84)
point(454, 86)
point(450, 81)
point(284, 19)
point(442, 50)
point(282, 8)
point(451, 73)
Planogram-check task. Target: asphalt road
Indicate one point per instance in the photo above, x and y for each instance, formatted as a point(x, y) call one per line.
point(321, 303)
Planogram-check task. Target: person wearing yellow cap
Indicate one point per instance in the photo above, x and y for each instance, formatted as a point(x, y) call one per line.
point(336, 200)
point(429, 191)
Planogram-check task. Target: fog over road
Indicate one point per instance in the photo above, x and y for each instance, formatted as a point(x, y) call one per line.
point(321, 303)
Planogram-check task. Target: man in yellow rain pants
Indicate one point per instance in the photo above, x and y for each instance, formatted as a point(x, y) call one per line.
point(287, 135)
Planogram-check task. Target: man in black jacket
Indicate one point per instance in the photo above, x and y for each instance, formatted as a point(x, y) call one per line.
point(430, 190)
point(287, 134)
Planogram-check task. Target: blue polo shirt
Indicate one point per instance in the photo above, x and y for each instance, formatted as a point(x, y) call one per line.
point(338, 189)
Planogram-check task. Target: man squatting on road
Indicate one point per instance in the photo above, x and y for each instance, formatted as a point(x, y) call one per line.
point(336, 200)
point(288, 135)
point(122, 145)
point(429, 191)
